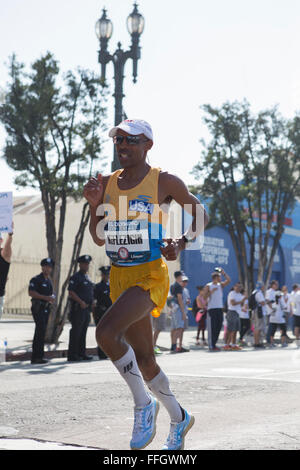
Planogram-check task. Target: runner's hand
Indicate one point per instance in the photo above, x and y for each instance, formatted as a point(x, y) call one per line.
point(93, 191)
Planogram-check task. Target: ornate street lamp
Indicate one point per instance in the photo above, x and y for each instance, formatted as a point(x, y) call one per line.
point(104, 29)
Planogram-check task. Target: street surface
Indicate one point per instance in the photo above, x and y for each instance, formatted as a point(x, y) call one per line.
point(241, 400)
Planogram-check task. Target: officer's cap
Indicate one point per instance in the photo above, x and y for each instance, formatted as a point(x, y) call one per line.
point(47, 262)
point(84, 259)
point(105, 269)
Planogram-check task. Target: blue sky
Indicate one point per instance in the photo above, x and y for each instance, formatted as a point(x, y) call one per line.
point(193, 52)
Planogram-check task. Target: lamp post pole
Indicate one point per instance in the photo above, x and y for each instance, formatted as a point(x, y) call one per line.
point(104, 29)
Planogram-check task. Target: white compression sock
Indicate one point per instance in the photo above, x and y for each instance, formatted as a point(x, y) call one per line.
point(161, 389)
point(129, 370)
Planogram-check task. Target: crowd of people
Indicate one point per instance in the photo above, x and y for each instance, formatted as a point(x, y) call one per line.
point(247, 319)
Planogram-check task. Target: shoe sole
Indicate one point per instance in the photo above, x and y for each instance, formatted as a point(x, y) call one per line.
point(189, 426)
point(154, 431)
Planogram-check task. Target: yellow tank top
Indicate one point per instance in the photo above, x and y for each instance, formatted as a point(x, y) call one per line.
point(134, 222)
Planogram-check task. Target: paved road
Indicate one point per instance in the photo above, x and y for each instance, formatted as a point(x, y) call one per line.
point(241, 400)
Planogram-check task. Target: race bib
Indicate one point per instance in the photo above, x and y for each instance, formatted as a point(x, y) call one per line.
point(127, 241)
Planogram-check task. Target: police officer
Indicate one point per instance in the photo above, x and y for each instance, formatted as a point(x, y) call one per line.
point(102, 301)
point(41, 293)
point(81, 294)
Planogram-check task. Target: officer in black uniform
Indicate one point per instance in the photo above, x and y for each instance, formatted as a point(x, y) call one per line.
point(41, 293)
point(102, 301)
point(81, 295)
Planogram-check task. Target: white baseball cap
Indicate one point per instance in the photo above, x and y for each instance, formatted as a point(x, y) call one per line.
point(133, 127)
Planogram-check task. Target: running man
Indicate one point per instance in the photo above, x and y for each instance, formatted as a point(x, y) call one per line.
point(139, 281)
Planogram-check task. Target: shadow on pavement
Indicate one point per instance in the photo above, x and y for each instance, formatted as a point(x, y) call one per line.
point(33, 369)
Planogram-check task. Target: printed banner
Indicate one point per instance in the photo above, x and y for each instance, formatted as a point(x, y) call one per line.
point(6, 212)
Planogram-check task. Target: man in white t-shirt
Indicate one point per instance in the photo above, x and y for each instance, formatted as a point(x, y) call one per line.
point(215, 307)
point(271, 294)
point(277, 320)
point(270, 300)
point(294, 291)
point(288, 312)
point(245, 320)
point(259, 315)
point(234, 300)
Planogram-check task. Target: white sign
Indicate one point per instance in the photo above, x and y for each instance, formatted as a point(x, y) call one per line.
point(295, 268)
point(6, 212)
point(214, 251)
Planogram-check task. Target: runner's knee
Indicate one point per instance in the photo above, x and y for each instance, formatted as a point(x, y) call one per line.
point(106, 335)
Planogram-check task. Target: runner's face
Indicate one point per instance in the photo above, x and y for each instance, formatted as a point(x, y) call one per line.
point(132, 155)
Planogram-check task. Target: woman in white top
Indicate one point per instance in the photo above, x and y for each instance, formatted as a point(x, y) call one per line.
point(245, 320)
point(277, 319)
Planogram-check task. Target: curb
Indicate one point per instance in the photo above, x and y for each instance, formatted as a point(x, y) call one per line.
point(12, 356)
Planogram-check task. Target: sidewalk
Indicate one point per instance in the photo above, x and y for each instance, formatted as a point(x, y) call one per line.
point(19, 334)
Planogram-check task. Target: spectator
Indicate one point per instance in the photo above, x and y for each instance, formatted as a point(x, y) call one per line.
point(225, 310)
point(245, 327)
point(287, 309)
point(200, 317)
point(215, 307)
point(41, 292)
point(296, 313)
point(159, 324)
point(270, 300)
point(234, 301)
point(277, 320)
point(81, 294)
point(178, 315)
point(293, 293)
point(186, 299)
point(5, 260)
point(259, 313)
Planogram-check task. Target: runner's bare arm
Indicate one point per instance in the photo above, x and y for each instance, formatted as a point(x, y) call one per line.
point(172, 187)
point(93, 192)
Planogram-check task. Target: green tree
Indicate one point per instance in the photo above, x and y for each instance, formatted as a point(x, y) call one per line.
point(251, 172)
point(53, 125)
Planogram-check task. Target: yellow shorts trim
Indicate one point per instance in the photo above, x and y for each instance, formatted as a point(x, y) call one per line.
point(152, 276)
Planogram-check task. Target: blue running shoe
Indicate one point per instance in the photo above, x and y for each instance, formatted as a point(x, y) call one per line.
point(177, 433)
point(144, 427)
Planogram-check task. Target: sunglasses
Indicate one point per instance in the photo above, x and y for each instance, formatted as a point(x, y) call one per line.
point(130, 139)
